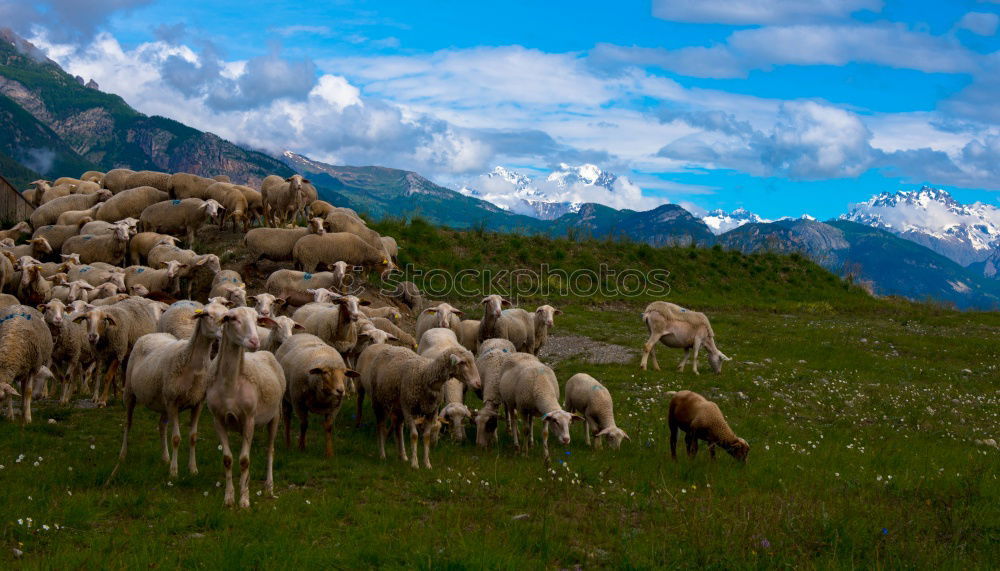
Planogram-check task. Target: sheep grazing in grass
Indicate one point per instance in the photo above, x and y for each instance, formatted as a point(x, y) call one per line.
point(113, 331)
point(490, 362)
point(316, 377)
point(439, 340)
point(50, 212)
point(701, 419)
point(675, 326)
point(25, 347)
point(294, 287)
point(179, 216)
point(442, 315)
point(587, 396)
point(406, 387)
point(528, 389)
point(313, 250)
point(245, 390)
point(170, 375)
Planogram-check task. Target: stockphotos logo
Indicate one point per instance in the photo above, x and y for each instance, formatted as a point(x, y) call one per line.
point(543, 282)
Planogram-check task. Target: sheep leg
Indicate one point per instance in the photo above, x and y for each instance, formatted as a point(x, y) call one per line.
point(382, 430)
point(303, 426)
point(680, 367)
point(72, 374)
point(694, 357)
point(98, 374)
point(27, 387)
point(272, 434)
point(526, 435)
point(227, 458)
point(357, 408)
point(193, 437)
point(247, 434)
point(129, 410)
point(692, 444)
point(513, 427)
point(174, 423)
point(711, 451)
point(673, 440)
point(587, 430)
point(328, 429)
point(164, 444)
point(109, 379)
point(398, 434)
point(427, 444)
point(414, 459)
point(545, 442)
point(649, 348)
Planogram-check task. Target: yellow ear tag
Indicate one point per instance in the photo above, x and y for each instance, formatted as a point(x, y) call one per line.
point(197, 311)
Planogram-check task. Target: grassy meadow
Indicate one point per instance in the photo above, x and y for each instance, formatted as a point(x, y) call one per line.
point(862, 416)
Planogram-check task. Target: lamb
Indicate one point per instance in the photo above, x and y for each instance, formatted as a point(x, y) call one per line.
point(56, 234)
point(179, 216)
point(165, 280)
point(316, 376)
point(17, 231)
point(26, 347)
point(529, 389)
point(282, 330)
point(77, 216)
point(312, 250)
point(585, 395)
point(701, 419)
point(435, 342)
point(544, 320)
point(108, 248)
point(113, 330)
point(170, 375)
point(293, 286)
point(245, 390)
point(385, 312)
point(72, 354)
point(336, 325)
point(675, 326)
point(442, 315)
point(158, 180)
point(115, 179)
point(49, 212)
point(186, 185)
point(140, 245)
point(490, 363)
point(407, 387)
point(130, 203)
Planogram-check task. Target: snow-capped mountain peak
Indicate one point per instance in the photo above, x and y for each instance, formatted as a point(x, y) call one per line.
point(587, 174)
point(720, 222)
point(966, 233)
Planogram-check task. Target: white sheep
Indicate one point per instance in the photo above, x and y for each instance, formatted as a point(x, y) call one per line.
point(315, 375)
point(165, 280)
point(313, 250)
point(490, 362)
point(169, 375)
point(179, 216)
point(675, 326)
point(25, 347)
point(528, 389)
point(337, 325)
point(130, 203)
point(442, 315)
point(294, 286)
point(108, 248)
point(587, 396)
point(701, 419)
point(245, 390)
point(435, 342)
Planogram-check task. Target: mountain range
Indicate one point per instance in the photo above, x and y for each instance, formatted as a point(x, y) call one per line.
point(914, 244)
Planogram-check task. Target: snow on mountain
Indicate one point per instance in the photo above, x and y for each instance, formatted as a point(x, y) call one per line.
point(721, 222)
point(966, 233)
point(561, 191)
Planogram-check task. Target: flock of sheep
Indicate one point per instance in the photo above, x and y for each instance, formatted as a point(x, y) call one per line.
point(100, 297)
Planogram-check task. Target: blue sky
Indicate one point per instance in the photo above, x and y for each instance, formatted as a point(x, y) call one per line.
point(781, 106)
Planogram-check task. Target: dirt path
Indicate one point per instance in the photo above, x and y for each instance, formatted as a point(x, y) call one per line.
point(562, 347)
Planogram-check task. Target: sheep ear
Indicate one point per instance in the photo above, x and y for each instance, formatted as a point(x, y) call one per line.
point(305, 180)
point(455, 359)
point(364, 302)
point(391, 336)
point(558, 312)
point(266, 322)
point(576, 418)
point(298, 327)
point(506, 303)
point(351, 373)
point(80, 318)
point(42, 307)
point(111, 320)
point(458, 312)
point(625, 436)
point(431, 311)
point(281, 301)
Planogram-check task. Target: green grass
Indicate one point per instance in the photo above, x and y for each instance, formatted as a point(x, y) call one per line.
point(861, 422)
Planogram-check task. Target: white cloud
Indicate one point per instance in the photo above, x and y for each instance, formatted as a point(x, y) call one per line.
point(981, 23)
point(743, 12)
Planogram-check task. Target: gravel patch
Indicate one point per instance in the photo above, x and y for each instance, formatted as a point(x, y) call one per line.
point(562, 347)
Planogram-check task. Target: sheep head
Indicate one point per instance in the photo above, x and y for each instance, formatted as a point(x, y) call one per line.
point(330, 381)
point(547, 314)
point(614, 435)
point(464, 369)
point(349, 305)
point(239, 327)
point(265, 304)
point(493, 304)
point(97, 323)
point(444, 311)
point(738, 449)
point(559, 422)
